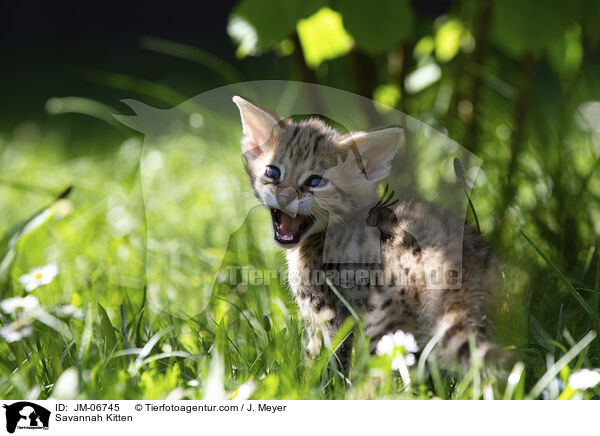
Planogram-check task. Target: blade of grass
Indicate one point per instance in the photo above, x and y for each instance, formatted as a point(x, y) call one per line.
point(143, 87)
point(9, 242)
point(194, 54)
point(460, 175)
point(588, 261)
point(108, 331)
point(565, 280)
point(137, 332)
point(514, 379)
point(558, 329)
point(84, 106)
point(342, 299)
point(595, 302)
point(343, 333)
point(555, 369)
point(428, 349)
point(147, 349)
point(86, 336)
point(170, 354)
point(438, 383)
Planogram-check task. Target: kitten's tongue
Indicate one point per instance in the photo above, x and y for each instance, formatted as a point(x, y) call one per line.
point(289, 226)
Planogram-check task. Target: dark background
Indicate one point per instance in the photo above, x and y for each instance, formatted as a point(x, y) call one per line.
point(53, 49)
point(50, 48)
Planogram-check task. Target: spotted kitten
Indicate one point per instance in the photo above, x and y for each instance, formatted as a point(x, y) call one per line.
point(321, 189)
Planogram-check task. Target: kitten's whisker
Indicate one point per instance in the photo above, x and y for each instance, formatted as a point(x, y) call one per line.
point(321, 214)
point(339, 218)
point(318, 220)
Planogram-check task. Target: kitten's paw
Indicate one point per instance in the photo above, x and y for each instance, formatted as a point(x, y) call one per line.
point(314, 346)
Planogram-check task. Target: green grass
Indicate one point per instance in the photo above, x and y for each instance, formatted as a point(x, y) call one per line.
point(121, 341)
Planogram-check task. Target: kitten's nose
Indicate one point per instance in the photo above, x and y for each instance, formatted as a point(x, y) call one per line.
point(285, 196)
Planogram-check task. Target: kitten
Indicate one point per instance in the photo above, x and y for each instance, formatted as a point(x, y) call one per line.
point(321, 189)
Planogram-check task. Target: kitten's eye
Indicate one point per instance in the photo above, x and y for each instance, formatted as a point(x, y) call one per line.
point(272, 172)
point(315, 181)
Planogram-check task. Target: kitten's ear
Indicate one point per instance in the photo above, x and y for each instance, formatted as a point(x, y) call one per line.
point(376, 148)
point(258, 126)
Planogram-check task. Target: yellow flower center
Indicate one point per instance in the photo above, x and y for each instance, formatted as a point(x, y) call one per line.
point(38, 276)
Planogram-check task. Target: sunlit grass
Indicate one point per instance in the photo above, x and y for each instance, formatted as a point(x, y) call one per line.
point(92, 332)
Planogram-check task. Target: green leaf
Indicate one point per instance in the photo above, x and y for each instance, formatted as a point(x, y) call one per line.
point(387, 95)
point(260, 24)
point(566, 53)
point(447, 40)
point(377, 26)
point(519, 27)
point(323, 37)
point(107, 329)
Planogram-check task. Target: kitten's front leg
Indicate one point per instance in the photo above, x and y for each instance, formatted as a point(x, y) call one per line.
point(316, 314)
point(316, 337)
point(313, 346)
point(322, 320)
point(343, 353)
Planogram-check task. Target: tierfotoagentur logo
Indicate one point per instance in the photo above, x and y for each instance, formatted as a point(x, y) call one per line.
point(24, 415)
point(344, 277)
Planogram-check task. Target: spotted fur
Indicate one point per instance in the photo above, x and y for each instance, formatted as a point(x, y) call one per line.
point(412, 239)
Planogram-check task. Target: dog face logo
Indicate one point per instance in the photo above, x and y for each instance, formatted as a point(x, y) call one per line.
point(26, 415)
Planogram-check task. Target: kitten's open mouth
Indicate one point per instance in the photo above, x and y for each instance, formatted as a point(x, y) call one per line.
point(289, 230)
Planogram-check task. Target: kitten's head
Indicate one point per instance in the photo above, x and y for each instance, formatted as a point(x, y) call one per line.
point(308, 174)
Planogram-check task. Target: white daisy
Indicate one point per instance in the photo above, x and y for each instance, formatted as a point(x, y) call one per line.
point(584, 379)
point(410, 359)
point(245, 391)
point(385, 345)
point(39, 276)
point(406, 341)
point(10, 305)
point(15, 332)
point(401, 346)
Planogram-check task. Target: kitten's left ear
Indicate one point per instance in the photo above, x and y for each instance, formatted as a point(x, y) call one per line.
point(377, 149)
point(258, 126)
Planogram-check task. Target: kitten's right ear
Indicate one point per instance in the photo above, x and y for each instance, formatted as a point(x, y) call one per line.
point(377, 149)
point(258, 126)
